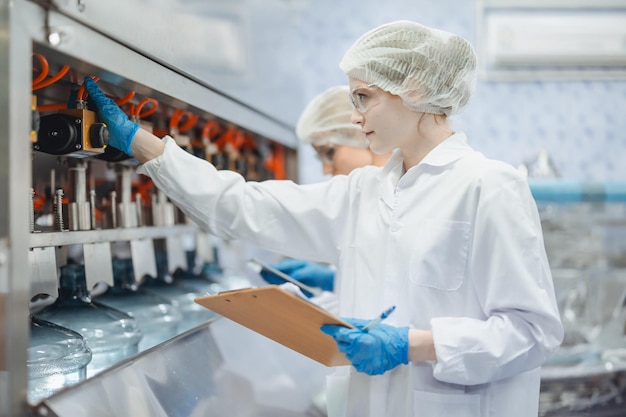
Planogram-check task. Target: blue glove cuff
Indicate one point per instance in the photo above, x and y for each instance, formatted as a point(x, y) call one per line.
point(129, 140)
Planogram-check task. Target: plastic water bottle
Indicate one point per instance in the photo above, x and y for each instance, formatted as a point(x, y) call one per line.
point(196, 276)
point(112, 335)
point(157, 318)
point(180, 295)
point(57, 358)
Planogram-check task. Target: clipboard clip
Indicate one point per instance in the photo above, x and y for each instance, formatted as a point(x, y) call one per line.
point(282, 275)
point(228, 291)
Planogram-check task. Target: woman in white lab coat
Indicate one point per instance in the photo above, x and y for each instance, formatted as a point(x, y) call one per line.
point(449, 237)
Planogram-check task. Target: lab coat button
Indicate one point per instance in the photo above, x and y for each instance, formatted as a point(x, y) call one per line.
point(394, 227)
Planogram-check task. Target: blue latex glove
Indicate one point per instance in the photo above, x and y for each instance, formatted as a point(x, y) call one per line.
point(308, 273)
point(121, 129)
point(381, 348)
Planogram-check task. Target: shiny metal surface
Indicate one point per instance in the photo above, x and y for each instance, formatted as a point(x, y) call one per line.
point(219, 369)
point(43, 271)
point(176, 257)
point(97, 253)
point(223, 44)
point(106, 235)
point(98, 267)
point(142, 251)
point(147, 56)
point(15, 181)
point(596, 393)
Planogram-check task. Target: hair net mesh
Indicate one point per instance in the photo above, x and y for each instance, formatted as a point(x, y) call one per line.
point(326, 119)
point(431, 70)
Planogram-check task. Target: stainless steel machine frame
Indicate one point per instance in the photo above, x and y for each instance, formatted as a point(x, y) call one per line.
point(73, 32)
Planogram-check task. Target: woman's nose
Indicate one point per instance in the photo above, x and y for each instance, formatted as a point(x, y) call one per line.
point(356, 117)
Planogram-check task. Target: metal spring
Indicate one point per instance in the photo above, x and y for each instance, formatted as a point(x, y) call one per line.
point(58, 210)
point(31, 209)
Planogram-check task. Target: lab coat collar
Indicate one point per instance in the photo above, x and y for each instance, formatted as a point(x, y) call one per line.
point(447, 152)
point(392, 171)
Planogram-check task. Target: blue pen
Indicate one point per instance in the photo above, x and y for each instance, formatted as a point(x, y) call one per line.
point(378, 319)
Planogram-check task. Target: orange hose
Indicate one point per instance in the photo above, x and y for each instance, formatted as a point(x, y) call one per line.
point(249, 142)
point(276, 163)
point(131, 109)
point(52, 79)
point(239, 139)
point(44, 69)
point(279, 170)
point(225, 137)
point(144, 188)
point(151, 110)
point(191, 121)
point(125, 99)
point(82, 91)
point(50, 107)
point(175, 118)
point(39, 200)
point(160, 131)
point(178, 115)
point(211, 128)
point(232, 136)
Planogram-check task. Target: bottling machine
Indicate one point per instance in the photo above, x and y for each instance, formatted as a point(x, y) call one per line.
point(81, 232)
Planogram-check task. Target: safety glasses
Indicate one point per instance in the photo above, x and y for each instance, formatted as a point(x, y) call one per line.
point(364, 98)
point(326, 153)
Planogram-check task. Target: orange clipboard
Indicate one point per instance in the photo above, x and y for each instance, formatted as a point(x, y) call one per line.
point(283, 317)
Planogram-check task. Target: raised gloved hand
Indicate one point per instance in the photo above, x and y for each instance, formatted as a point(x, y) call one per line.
point(121, 129)
point(308, 273)
point(375, 351)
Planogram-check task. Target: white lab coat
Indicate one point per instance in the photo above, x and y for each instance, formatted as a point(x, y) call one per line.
point(455, 244)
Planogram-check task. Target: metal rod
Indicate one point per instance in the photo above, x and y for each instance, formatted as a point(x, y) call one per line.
point(92, 202)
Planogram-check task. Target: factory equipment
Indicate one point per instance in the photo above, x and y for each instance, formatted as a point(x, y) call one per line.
point(584, 228)
point(71, 131)
point(74, 208)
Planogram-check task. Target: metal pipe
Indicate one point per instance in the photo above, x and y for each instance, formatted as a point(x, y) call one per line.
point(113, 200)
point(92, 202)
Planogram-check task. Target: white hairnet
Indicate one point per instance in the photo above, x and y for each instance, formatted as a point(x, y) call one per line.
point(431, 70)
point(326, 120)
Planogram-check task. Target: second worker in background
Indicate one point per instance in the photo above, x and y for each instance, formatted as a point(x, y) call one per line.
point(326, 124)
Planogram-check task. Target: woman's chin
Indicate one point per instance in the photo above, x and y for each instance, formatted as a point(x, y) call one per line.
point(378, 149)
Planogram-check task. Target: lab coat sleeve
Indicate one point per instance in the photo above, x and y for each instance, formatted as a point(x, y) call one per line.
point(296, 220)
point(509, 270)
